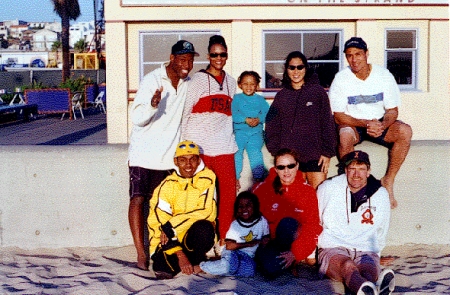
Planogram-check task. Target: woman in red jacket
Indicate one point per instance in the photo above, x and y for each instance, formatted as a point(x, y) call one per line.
point(290, 206)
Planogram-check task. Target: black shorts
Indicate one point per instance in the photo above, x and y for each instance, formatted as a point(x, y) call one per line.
point(144, 181)
point(310, 166)
point(378, 140)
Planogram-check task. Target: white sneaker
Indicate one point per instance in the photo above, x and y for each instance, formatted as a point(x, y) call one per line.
point(386, 282)
point(367, 288)
point(216, 250)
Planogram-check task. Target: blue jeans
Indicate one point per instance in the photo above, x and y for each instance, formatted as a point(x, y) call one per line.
point(233, 263)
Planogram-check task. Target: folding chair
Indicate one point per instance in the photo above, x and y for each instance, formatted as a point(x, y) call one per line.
point(77, 100)
point(98, 102)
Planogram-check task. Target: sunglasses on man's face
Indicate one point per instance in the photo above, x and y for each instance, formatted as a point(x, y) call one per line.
point(222, 54)
point(282, 167)
point(299, 67)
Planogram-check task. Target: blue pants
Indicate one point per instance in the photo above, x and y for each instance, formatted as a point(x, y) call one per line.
point(267, 257)
point(253, 143)
point(233, 263)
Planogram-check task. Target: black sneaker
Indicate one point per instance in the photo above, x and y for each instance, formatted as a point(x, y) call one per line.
point(386, 282)
point(162, 275)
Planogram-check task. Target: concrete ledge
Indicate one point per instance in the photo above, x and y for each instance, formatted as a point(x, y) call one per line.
point(77, 196)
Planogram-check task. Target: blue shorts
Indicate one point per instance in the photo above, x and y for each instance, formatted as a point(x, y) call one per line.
point(144, 181)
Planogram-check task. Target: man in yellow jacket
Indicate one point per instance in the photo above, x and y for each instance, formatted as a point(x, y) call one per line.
point(182, 215)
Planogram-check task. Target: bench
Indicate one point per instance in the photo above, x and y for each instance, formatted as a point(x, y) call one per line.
point(26, 110)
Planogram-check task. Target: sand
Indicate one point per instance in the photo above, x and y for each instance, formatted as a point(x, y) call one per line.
point(107, 270)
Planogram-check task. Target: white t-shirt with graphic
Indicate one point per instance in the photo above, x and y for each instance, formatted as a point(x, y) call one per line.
point(243, 232)
point(364, 99)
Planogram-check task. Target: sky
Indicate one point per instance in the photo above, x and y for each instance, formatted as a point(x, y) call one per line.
point(41, 10)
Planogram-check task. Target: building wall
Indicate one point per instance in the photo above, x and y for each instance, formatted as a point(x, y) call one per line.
point(426, 109)
point(77, 196)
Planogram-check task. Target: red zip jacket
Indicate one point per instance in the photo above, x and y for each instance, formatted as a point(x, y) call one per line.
point(299, 201)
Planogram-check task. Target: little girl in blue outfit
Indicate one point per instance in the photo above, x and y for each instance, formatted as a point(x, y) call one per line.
point(246, 232)
point(249, 111)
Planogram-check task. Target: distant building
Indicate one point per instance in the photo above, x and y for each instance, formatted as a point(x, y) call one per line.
point(4, 32)
point(81, 30)
point(16, 30)
point(44, 39)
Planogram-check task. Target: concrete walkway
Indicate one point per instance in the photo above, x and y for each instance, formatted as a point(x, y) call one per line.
point(51, 130)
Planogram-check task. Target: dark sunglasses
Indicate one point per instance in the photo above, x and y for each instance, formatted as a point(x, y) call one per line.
point(222, 54)
point(299, 67)
point(183, 146)
point(282, 167)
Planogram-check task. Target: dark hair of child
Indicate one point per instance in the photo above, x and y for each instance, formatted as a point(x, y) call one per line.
point(254, 74)
point(277, 185)
point(252, 198)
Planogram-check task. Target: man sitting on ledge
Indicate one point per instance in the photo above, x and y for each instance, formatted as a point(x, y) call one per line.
point(364, 99)
point(182, 215)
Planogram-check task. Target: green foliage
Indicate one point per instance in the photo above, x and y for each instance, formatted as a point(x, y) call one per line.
point(7, 97)
point(56, 45)
point(34, 85)
point(74, 84)
point(80, 45)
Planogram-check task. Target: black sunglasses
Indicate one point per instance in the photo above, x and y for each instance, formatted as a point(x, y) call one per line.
point(299, 67)
point(222, 54)
point(282, 167)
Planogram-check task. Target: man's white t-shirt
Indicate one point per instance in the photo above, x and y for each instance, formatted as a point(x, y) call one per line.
point(364, 99)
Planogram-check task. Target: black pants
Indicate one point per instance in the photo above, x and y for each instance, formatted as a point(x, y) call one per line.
point(198, 240)
point(266, 257)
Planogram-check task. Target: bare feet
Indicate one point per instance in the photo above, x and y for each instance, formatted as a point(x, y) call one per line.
point(387, 260)
point(142, 263)
point(197, 269)
point(389, 185)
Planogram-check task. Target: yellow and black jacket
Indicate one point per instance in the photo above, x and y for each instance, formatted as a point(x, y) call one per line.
point(179, 202)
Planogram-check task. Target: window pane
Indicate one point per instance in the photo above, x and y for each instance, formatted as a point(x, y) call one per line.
point(400, 65)
point(316, 45)
point(200, 42)
point(401, 39)
point(326, 72)
point(150, 67)
point(156, 47)
point(274, 75)
point(278, 45)
point(321, 46)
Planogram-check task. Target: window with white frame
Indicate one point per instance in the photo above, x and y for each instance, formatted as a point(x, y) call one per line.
point(155, 47)
point(401, 53)
point(321, 48)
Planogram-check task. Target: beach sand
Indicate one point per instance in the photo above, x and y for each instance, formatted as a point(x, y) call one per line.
point(108, 270)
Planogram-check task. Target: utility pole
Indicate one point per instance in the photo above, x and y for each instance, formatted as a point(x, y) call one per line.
point(99, 27)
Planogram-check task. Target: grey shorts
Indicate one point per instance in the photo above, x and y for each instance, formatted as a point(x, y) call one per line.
point(359, 257)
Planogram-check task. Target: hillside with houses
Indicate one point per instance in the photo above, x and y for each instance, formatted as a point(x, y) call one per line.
point(38, 44)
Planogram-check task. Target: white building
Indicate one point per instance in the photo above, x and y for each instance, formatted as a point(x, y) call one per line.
point(4, 31)
point(52, 26)
point(43, 40)
point(81, 30)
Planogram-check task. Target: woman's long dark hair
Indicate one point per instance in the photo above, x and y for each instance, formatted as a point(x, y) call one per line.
point(294, 54)
point(277, 185)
